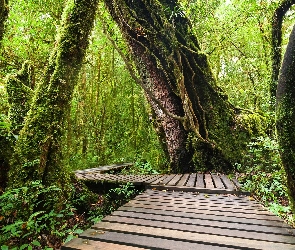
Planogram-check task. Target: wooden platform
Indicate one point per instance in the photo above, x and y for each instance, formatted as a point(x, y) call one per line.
point(188, 220)
point(104, 169)
point(209, 183)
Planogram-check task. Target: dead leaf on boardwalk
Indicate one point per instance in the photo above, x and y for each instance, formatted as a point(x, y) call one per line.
point(97, 232)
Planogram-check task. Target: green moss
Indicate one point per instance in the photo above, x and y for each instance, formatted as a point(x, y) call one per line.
point(3, 16)
point(38, 150)
point(253, 124)
point(18, 87)
point(285, 124)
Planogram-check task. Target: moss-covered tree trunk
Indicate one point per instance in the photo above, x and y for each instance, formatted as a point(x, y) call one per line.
point(277, 21)
point(38, 150)
point(285, 112)
point(19, 89)
point(198, 122)
point(3, 16)
point(5, 148)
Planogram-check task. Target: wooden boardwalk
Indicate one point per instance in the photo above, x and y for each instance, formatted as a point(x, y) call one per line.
point(188, 220)
point(184, 211)
point(209, 183)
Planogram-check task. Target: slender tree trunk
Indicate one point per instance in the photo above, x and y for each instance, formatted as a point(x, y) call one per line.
point(285, 112)
point(3, 16)
point(38, 150)
point(277, 21)
point(197, 120)
point(6, 147)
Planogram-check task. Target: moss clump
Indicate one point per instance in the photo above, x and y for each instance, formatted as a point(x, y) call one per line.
point(253, 124)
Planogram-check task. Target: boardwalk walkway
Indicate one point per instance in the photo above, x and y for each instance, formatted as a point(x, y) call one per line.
point(209, 183)
point(166, 219)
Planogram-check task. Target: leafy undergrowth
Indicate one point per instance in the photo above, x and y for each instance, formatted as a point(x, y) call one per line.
point(27, 223)
point(264, 176)
point(140, 167)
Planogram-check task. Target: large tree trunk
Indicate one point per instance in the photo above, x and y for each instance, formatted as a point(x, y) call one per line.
point(38, 150)
point(285, 112)
point(277, 21)
point(197, 120)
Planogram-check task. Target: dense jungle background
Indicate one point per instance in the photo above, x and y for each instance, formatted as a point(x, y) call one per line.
point(111, 118)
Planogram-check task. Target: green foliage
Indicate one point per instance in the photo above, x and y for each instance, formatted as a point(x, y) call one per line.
point(264, 176)
point(262, 156)
point(26, 218)
point(140, 167)
point(30, 35)
point(109, 120)
point(118, 196)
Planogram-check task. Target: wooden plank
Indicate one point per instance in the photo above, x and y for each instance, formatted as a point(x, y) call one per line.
point(239, 240)
point(201, 198)
point(217, 181)
point(152, 178)
point(227, 182)
point(209, 220)
point(159, 180)
point(227, 229)
point(147, 241)
point(104, 169)
point(175, 180)
point(168, 178)
point(88, 244)
point(183, 180)
point(224, 211)
point(208, 181)
point(191, 180)
point(200, 181)
point(195, 189)
point(236, 182)
point(260, 220)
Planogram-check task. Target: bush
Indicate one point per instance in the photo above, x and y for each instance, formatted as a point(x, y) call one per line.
point(26, 223)
point(29, 222)
point(264, 176)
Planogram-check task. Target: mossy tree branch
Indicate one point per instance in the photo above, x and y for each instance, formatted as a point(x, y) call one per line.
point(38, 150)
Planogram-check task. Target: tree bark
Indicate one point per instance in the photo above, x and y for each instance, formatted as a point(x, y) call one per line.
point(193, 112)
point(3, 16)
point(37, 153)
point(285, 113)
point(277, 21)
point(6, 147)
